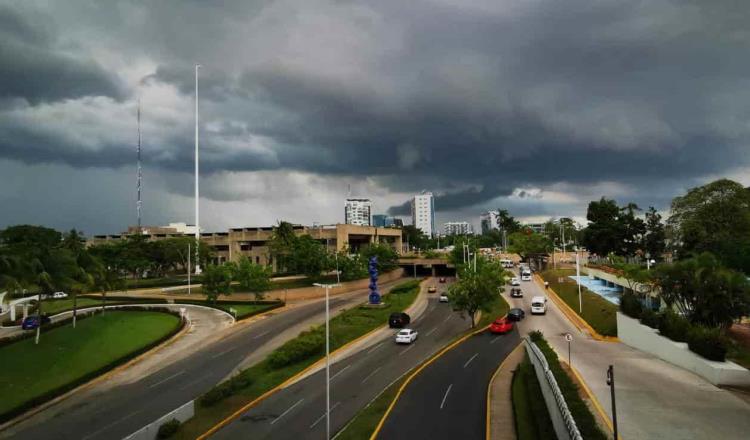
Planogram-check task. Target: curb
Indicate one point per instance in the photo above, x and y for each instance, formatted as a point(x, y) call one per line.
point(488, 417)
point(34, 411)
point(592, 397)
point(281, 386)
point(572, 316)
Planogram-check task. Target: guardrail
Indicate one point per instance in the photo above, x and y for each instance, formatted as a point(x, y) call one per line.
point(562, 420)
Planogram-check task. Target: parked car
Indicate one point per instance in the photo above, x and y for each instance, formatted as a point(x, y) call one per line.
point(399, 320)
point(442, 279)
point(59, 295)
point(431, 289)
point(443, 298)
point(406, 336)
point(538, 305)
point(33, 321)
point(501, 325)
point(516, 292)
point(516, 314)
point(515, 282)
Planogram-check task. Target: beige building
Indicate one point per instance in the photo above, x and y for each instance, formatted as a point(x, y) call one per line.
point(253, 242)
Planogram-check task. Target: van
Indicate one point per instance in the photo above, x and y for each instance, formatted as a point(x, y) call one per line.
point(526, 275)
point(538, 305)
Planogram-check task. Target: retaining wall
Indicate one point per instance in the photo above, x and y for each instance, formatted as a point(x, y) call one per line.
point(148, 432)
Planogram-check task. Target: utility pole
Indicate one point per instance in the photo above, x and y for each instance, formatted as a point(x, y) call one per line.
point(327, 287)
point(138, 203)
point(189, 256)
point(611, 383)
point(578, 279)
point(197, 192)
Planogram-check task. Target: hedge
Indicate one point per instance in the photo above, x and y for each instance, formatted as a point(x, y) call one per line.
point(273, 304)
point(168, 429)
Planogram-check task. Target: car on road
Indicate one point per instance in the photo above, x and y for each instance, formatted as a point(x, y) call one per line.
point(526, 275)
point(516, 292)
point(431, 289)
point(33, 321)
point(514, 281)
point(501, 325)
point(516, 314)
point(442, 279)
point(406, 336)
point(59, 295)
point(443, 298)
point(538, 305)
point(399, 320)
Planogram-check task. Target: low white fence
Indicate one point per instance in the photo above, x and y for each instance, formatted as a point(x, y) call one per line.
point(562, 421)
point(148, 432)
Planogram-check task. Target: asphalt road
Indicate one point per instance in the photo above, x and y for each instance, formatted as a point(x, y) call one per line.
point(299, 411)
point(448, 399)
point(120, 411)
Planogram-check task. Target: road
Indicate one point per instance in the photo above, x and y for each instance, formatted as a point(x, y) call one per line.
point(104, 412)
point(447, 400)
point(299, 411)
point(655, 400)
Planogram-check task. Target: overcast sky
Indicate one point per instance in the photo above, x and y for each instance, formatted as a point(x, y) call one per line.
point(535, 106)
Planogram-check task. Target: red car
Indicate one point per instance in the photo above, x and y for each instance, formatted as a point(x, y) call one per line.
point(501, 325)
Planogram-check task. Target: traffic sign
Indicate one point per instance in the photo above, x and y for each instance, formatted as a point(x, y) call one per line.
point(568, 337)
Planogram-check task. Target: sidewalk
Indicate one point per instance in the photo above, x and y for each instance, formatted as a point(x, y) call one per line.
point(500, 399)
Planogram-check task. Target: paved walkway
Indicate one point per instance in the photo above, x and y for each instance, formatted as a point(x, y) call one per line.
point(501, 403)
point(655, 399)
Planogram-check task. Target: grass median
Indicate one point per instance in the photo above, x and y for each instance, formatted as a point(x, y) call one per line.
point(599, 313)
point(65, 355)
point(291, 358)
point(532, 420)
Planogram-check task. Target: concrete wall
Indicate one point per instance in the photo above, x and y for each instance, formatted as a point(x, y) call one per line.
point(148, 432)
point(562, 421)
point(644, 338)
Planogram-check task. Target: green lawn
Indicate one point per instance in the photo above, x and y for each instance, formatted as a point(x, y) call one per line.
point(66, 355)
point(499, 308)
point(597, 311)
point(256, 380)
point(55, 306)
point(529, 410)
point(363, 424)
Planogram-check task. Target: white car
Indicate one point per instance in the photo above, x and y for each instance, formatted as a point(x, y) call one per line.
point(514, 281)
point(443, 298)
point(538, 305)
point(406, 336)
point(59, 295)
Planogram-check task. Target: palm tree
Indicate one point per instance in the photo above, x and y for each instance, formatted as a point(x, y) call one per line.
point(45, 288)
point(281, 243)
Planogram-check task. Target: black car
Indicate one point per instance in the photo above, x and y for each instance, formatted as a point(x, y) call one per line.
point(516, 314)
point(398, 320)
point(516, 293)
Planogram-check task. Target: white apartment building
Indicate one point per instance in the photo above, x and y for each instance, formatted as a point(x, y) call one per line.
point(358, 212)
point(489, 221)
point(423, 213)
point(458, 228)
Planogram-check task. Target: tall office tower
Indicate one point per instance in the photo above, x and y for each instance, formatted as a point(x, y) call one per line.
point(489, 221)
point(357, 212)
point(423, 213)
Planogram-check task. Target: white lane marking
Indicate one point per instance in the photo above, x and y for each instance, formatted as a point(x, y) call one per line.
point(262, 334)
point(407, 349)
point(495, 339)
point(449, 317)
point(340, 371)
point(470, 359)
point(324, 415)
point(223, 352)
point(446, 395)
point(111, 425)
point(287, 411)
point(191, 383)
point(169, 378)
point(370, 375)
point(375, 348)
point(431, 331)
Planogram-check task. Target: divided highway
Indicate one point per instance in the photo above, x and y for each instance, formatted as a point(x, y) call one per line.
point(299, 410)
point(103, 412)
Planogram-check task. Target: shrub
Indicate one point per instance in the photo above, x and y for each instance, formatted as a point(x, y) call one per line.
point(536, 335)
point(406, 287)
point(650, 318)
point(168, 429)
point(298, 349)
point(674, 327)
point(708, 342)
point(631, 305)
point(226, 389)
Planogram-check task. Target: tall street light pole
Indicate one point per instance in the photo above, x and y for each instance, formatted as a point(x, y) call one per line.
point(611, 383)
point(327, 287)
point(197, 192)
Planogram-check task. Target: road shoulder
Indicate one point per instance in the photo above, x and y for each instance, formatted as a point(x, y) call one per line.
point(499, 399)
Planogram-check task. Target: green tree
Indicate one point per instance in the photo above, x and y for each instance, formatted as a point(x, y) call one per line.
point(654, 241)
point(352, 266)
point(106, 278)
point(281, 245)
point(217, 280)
point(414, 237)
point(475, 291)
point(506, 222)
point(252, 277)
point(387, 256)
point(308, 257)
point(527, 243)
point(602, 236)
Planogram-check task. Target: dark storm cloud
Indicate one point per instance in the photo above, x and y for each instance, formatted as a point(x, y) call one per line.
point(469, 99)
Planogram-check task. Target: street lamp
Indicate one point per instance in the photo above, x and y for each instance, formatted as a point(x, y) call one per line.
point(327, 287)
point(611, 383)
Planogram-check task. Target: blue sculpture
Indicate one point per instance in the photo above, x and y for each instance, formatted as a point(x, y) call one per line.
point(373, 270)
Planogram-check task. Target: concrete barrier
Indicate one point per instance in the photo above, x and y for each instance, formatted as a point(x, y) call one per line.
point(148, 432)
point(646, 339)
point(562, 420)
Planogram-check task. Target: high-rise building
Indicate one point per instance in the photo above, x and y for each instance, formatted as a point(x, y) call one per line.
point(423, 213)
point(383, 221)
point(489, 221)
point(458, 228)
point(357, 212)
